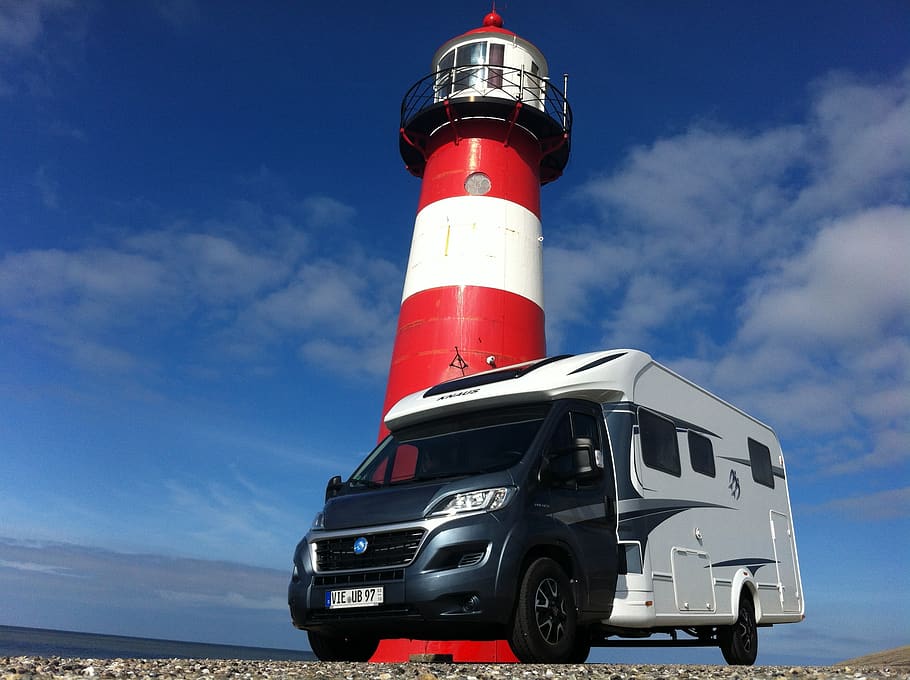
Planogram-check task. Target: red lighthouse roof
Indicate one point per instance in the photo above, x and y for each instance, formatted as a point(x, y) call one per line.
point(493, 19)
point(492, 23)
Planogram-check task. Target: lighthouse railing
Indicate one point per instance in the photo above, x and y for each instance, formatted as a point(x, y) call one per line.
point(487, 81)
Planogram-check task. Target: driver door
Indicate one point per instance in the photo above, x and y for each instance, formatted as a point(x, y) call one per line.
point(587, 506)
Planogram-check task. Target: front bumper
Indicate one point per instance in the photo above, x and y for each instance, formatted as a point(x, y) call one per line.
point(458, 585)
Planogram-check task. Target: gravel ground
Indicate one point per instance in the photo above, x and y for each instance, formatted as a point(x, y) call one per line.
point(41, 668)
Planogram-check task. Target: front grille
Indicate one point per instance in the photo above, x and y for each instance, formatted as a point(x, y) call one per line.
point(360, 579)
point(387, 549)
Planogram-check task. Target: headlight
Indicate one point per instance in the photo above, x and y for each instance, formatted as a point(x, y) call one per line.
point(318, 521)
point(473, 501)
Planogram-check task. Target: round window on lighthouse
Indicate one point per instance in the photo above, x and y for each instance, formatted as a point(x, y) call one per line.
point(477, 184)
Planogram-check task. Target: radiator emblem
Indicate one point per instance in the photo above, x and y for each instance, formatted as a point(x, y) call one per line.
point(360, 546)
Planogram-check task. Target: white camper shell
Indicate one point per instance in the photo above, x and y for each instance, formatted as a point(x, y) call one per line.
point(703, 506)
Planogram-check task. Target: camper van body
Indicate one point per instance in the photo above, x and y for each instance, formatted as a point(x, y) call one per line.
point(668, 511)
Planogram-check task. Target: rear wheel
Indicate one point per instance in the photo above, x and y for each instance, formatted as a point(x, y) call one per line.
point(739, 642)
point(544, 629)
point(328, 647)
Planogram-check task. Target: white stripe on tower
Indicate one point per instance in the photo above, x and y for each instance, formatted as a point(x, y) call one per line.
point(476, 241)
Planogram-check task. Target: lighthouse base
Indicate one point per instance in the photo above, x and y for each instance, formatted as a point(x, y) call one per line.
point(457, 651)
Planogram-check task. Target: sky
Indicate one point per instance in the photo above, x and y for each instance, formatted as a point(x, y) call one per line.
point(204, 227)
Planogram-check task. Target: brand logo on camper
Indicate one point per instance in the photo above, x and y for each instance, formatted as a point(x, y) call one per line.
point(734, 485)
point(360, 546)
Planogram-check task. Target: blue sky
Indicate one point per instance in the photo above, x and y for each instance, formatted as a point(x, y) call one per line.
point(204, 225)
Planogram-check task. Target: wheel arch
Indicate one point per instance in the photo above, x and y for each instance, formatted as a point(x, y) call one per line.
point(558, 552)
point(563, 555)
point(744, 585)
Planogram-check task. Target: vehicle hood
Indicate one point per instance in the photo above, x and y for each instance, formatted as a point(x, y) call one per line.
point(380, 506)
point(396, 504)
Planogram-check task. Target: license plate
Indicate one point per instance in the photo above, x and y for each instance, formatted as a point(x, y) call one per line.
point(353, 597)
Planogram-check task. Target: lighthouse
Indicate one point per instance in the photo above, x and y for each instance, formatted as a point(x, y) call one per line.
point(483, 131)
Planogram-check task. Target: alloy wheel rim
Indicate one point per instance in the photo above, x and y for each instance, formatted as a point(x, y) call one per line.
point(745, 630)
point(550, 611)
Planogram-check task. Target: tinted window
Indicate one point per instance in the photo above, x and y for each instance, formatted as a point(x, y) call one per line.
point(497, 55)
point(760, 459)
point(561, 463)
point(444, 79)
point(659, 448)
point(701, 453)
point(585, 425)
point(466, 56)
point(468, 444)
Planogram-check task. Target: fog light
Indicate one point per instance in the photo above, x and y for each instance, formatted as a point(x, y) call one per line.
point(471, 604)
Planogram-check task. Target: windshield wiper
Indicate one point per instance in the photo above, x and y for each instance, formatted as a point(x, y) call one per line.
point(441, 475)
point(368, 483)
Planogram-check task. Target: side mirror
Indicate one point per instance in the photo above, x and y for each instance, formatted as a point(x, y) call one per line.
point(544, 473)
point(587, 461)
point(333, 487)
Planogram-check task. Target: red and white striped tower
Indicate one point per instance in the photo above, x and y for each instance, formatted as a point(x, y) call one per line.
point(484, 131)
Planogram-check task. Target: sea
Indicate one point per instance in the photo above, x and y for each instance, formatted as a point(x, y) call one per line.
point(16, 641)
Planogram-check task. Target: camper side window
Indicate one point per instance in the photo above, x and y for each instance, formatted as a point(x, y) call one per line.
point(701, 454)
point(760, 461)
point(659, 446)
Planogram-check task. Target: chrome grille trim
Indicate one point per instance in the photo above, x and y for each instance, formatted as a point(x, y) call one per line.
point(386, 549)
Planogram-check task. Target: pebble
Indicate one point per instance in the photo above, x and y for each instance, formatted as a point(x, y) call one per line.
point(57, 668)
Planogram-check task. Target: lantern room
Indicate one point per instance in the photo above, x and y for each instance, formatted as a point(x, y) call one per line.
point(491, 62)
point(490, 73)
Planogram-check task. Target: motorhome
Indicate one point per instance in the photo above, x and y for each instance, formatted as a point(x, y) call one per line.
point(575, 501)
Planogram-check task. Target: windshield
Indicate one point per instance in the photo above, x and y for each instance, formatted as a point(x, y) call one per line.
point(459, 446)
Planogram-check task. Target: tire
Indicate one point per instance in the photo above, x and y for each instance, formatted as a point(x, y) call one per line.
point(739, 642)
point(341, 647)
point(544, 627)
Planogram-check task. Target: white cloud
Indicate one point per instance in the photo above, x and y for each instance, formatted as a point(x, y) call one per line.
point(226, 288)
point(56, 288)
point(47, 187)
point(144, 594)
point(233, 519)
point(702, 192)
point(852, 285)
point(31, 52)
point(860, 144)
point(882, 505)
point(343, 311)
point(769, 265)
point(325, 211)
point(37, 567)
point(233, 600)
point(22, 21)
point(178, 13)
point(651, 303)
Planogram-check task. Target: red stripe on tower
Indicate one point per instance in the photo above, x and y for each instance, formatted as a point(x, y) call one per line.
point(484, 131)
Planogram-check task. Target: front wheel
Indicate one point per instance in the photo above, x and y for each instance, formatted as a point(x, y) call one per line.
point(581, 650)
point(341, 647)
point(544, 629)
point(739, 642)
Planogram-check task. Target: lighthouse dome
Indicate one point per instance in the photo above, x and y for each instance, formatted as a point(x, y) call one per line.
point(491, 61)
